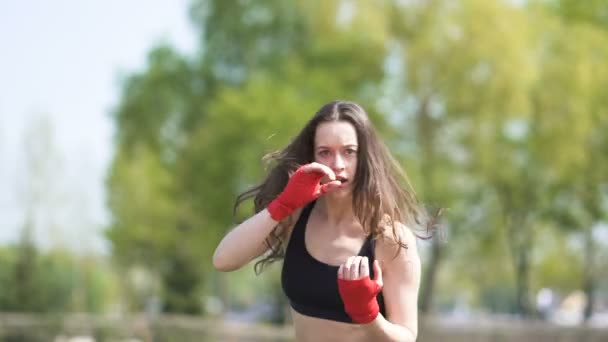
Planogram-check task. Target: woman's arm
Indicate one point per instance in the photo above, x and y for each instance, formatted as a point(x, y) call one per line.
point(244, 242)
point(401, 278)
point(247, 240)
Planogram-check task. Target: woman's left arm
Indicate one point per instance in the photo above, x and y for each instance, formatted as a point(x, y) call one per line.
point(398, 275)
point(401, 269)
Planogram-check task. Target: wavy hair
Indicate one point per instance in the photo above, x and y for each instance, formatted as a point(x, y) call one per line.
point(382, 194)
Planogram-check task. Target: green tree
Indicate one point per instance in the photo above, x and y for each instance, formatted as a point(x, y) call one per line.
point(25, 270)
point(475, 96)
point(593, 12)
point(570, 97)
point(459, 62)
point(191, 132)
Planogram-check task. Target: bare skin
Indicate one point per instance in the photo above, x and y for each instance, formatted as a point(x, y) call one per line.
point(328, 245)
point(334, 246)
point(334, 236)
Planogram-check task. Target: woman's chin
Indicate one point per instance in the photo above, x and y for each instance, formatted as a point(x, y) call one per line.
point(339, 192)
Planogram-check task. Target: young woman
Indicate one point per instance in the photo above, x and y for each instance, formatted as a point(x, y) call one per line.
point(336, 207)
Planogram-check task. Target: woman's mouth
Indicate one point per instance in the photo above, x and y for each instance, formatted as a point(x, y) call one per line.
point(342, 180)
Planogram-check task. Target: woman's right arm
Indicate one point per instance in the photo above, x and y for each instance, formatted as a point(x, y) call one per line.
point(247, 240)
point(244, 242)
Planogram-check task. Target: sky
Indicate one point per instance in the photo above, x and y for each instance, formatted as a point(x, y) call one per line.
point(61, 62)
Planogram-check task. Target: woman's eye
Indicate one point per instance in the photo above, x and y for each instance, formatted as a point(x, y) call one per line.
point(324, 153)
point(351, 151)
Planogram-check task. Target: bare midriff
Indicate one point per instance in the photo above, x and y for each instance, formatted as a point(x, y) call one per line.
point(311, 329)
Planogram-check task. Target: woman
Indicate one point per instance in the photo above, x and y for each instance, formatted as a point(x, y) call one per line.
point(335, 207)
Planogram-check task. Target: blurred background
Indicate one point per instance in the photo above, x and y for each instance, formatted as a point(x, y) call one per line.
point(128, 128)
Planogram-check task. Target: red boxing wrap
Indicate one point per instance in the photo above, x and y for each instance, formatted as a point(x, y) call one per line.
point(359, 297)
point(303, 187)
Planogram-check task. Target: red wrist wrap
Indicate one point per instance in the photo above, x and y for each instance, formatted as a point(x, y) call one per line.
point(359, 297)
point(278, 210)
point(302, 188)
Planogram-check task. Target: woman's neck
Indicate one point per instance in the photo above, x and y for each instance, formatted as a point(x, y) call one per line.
point(338, 211)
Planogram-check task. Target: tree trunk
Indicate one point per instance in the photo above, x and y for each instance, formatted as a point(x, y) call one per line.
point(588, 277)
point(520, 246)
point(426, 140)
point(522, 279)
point(427, 295)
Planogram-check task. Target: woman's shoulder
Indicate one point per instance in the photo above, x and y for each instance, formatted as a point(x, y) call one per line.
point(393, 232)
point(396, 240)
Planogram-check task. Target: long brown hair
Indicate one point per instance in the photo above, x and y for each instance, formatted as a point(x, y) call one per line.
point(382, 194)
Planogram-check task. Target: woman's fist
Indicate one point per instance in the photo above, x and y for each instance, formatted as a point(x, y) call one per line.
point(358, 290)
point(303, 187)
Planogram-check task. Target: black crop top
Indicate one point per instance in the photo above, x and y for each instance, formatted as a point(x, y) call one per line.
point(311, 285)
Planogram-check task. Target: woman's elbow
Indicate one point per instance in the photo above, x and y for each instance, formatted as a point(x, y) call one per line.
point(222, 263)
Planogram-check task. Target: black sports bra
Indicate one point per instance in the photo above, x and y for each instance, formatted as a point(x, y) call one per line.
point(311, 285)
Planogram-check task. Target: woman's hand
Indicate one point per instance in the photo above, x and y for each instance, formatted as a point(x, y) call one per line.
point(358, 290)
point(303, 187)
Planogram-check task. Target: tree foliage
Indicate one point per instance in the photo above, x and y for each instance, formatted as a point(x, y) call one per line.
point(496, 110)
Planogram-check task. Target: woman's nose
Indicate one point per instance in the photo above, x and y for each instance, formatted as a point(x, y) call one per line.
point(338, 162)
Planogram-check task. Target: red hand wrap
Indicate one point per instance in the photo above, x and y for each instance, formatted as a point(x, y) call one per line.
point(359, 297)
point(302, 188)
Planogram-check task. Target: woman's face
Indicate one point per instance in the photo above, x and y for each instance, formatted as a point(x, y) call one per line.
point(336, 147)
